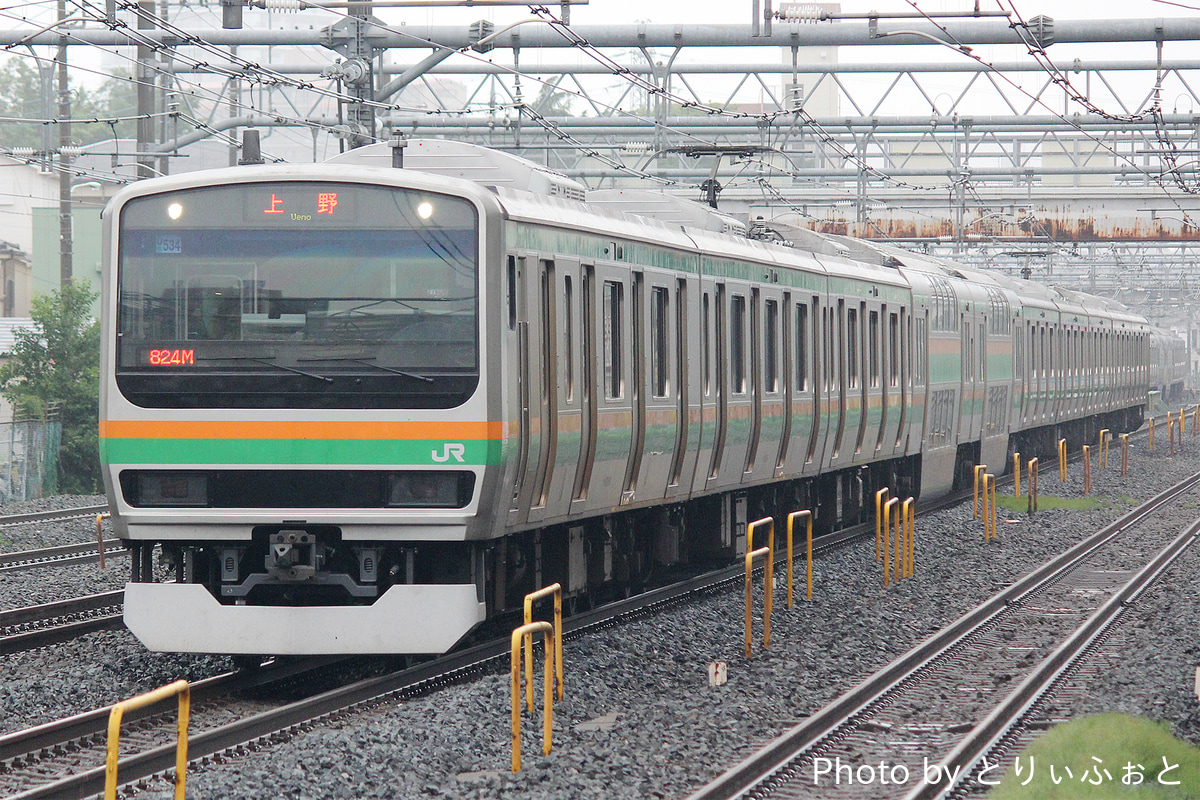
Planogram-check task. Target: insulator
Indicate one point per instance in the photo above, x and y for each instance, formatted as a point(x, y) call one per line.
point(283, 5)
point(801, 12)
point(70, 151)
point(21, 152)
point(636, 148)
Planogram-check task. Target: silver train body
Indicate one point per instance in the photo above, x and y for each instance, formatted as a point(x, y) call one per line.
point(359, 408)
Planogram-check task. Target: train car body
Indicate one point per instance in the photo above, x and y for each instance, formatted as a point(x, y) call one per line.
point(361, 409)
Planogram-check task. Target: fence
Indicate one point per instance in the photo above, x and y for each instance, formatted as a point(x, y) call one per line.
point(28, 459)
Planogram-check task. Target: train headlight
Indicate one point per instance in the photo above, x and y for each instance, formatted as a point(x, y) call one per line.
point(425, 210)
point(430, 489)
point(170, 489)
point(175, 210)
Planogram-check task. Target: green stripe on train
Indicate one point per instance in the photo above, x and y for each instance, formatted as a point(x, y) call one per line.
point(434, 452)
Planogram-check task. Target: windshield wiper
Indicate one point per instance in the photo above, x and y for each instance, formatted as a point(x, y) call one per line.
point(270, 363)
point(366, 362)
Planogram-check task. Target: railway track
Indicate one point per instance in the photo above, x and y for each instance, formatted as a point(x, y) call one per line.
point(80, 512)
point(933, 713)
point(61, 621)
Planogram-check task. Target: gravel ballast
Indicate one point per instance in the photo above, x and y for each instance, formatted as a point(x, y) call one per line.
point(639, 719)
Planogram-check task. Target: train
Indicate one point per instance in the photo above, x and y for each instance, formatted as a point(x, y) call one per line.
point(365, 405)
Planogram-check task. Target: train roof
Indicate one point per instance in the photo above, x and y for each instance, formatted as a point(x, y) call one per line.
point(470, 162)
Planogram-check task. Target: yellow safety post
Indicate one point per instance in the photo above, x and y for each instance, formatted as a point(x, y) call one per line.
point(114, 734)
point(554, 589)
point(1087, 470)
point(1171, 432)
point(547, 694)
point(1152, 433)
point(1124, 454)
point(979, 470)
point(888, 509)
point(809, 549)
point(1062, 460)
point(1033, 467)
point(1105, 438)
point(1182, 423)
point(908, 513)
point(1016, 474)
point(989, 506)
point(767, 552)
point(880, 498)
point(1195, 420)
point(100, 539)
point(898, 559)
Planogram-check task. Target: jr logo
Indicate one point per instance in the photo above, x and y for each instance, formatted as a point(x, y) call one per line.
point(450, 449)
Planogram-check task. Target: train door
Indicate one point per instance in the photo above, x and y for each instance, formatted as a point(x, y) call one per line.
point(707, 392)
point(537, 363)
point(771, 396)
point(589, 377)
point(689, 387)
point(720, 369)
point(787, 342)
point(559, 312)
point(608, 313)
point(655, 461)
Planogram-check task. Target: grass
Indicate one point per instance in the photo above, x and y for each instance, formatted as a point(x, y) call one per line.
point(1126, 746)
point(1048, 502)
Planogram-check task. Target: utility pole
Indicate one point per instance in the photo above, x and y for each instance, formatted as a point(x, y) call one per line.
point(147, 78)
point(65, 234)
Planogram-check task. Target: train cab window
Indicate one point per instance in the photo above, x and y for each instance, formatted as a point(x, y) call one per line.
point(800, 350)
point(301, 294)
point(613, 304)
point(873, 346)
point(737, 343)
point(851, 348)
point(771, 348)
point(659, 309)
point(512, 293)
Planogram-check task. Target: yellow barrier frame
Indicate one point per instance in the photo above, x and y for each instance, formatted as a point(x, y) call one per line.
point(768, 574)
point(979, 469)
point(1124, 454)
point(881, 497)
point(100, 538)
point(1062, 460)
point(888, 508)
point(1016, 474)
point(1171, 431)
point(1032, 466)
point(180, 688)
point(547, 694)
point(1195, 420)
point(1087, 470)
point(989, 503)
point(908, 514)
point(809, 550)
point(1152, 433)
point(554, 589)
point(1105, 440)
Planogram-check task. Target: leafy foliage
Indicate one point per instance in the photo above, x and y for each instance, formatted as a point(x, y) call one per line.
point(21, 98)
point(55, 369)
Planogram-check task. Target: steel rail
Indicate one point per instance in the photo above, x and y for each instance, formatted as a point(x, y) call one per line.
point(82, 553)
point(44, 516)
point(103, 612)
point(761, 766)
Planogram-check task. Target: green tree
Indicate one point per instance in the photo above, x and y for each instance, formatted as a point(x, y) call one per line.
point(21, 107)
point(55, 369)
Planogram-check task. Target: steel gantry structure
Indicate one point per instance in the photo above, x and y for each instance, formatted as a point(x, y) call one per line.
point(1081, 171)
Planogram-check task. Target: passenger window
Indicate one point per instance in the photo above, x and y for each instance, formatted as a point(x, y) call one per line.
point(614, 375)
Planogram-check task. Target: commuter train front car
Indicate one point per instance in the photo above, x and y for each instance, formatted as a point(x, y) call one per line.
point(358, 409)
